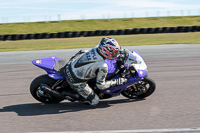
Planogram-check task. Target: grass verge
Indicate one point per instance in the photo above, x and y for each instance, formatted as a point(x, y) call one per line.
point(97, 24)
point(86, 42)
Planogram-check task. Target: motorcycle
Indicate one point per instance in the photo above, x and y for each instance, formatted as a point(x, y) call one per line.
point(129, 65)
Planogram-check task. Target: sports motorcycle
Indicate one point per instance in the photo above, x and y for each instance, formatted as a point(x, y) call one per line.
point(129, 65)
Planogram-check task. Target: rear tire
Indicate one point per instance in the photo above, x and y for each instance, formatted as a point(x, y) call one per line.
point(147, 85)
point(39, 94)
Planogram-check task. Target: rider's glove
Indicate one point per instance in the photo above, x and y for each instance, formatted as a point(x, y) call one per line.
point(119, 81)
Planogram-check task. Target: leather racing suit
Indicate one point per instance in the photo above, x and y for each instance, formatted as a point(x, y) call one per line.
point(86, 65)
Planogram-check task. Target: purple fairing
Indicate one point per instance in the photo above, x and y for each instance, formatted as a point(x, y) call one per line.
point(48, 64)
point(118, 89)
point(141, 73)
point(112, 65)
point(131, 80)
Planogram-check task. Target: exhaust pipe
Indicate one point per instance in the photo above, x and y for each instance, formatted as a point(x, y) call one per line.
point(55, 94)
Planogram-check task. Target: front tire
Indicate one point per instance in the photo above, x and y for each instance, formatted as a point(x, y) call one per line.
point(142, 89)
point(38, 94)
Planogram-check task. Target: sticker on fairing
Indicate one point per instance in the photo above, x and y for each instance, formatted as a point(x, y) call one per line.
point(38, 61)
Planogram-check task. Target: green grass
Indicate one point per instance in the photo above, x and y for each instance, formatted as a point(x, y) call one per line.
point(97, 24)
point(87, 25)
point(87, 42)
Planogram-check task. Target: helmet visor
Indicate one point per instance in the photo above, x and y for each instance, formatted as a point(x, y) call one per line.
point(115, 54)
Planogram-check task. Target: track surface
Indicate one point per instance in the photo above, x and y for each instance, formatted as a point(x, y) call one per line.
point(175, 103)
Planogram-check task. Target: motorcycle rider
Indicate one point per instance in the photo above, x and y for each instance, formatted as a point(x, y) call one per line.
point(86, 65)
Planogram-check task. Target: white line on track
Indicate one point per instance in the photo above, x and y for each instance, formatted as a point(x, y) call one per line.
point(134, 131)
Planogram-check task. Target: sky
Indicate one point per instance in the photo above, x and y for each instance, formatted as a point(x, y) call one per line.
point(54, 10)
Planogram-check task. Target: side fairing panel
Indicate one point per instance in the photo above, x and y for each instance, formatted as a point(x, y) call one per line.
point(111, 66)
point(48, 64)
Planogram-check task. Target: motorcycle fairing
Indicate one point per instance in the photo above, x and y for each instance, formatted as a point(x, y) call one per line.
point(112, 65)
point(140, 66)
point(118, 89)
point(141, 71)
point(48, 65)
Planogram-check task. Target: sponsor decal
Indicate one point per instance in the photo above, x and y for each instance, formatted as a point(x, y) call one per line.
point(69, 74)
point(101, 95)
point(38, 61)
point(108, 91)
point(88, 56)
point(141, 72)
point(52, 76)
point(91, 55)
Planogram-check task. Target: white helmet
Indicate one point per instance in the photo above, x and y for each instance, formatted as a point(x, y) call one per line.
point(109, 48)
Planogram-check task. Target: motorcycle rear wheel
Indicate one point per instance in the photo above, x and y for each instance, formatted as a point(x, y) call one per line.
point(39, 94)
point(147, 85)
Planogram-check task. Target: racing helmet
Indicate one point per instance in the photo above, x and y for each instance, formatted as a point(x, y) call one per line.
point(108, 48)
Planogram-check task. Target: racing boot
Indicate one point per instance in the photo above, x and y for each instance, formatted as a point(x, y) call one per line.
point(91, 100)
point(87, 95)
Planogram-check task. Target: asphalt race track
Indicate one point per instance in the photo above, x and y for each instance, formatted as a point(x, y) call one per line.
point(174, 105)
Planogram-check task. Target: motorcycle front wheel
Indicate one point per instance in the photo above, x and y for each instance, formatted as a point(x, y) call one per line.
point(38, 94)
point(142, 89)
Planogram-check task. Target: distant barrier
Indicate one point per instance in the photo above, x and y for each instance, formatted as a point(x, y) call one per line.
point(179, 29)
